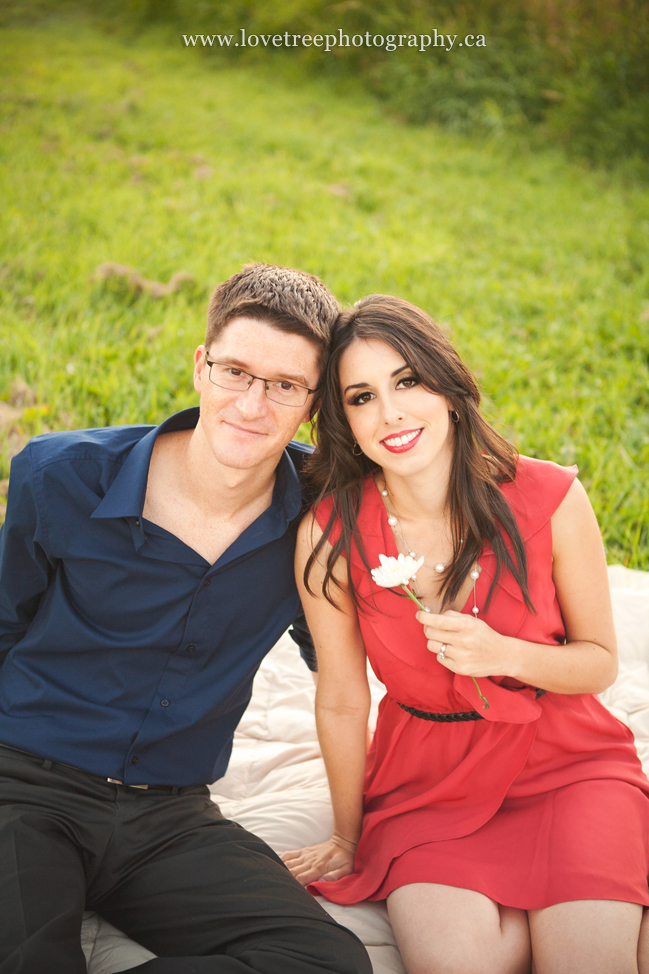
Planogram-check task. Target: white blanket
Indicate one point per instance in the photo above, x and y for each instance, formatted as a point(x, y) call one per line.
point(276, 784)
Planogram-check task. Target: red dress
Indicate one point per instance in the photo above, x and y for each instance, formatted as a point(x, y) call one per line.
point(542, 802)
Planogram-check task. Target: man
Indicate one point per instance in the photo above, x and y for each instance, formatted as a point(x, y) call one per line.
point(144, 574)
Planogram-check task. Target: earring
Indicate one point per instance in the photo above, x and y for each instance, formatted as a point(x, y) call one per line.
point(354, 453)
point(455, 416)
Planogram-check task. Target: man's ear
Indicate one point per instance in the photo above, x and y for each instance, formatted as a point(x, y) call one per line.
point(199, 362)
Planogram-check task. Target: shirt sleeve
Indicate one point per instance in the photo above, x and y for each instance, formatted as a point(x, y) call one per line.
point(25, 569)
point(301, 634)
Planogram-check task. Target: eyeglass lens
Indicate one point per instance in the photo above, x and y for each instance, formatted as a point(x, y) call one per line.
point(278, 390)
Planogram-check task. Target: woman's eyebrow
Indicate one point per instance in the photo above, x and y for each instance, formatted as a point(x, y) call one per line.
point(364, 385)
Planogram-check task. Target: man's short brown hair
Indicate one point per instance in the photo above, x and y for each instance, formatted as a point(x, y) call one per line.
point(291, 300)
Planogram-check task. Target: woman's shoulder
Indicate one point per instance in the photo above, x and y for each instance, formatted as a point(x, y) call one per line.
point(544, 475)
point(537, 491)
point(323, 510)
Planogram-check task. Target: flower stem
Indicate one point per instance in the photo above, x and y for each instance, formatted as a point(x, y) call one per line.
point(411, 595)
point(486, 702)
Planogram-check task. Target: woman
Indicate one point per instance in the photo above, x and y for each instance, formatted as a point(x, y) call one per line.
point(501, 810)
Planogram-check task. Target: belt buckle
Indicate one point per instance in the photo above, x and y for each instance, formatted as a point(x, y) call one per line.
point(116, 781)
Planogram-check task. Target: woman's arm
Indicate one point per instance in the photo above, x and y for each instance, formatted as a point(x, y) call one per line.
point(342, 710)
point(588, 662)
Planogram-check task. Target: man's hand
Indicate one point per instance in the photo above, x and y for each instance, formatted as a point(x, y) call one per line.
point(326, 861)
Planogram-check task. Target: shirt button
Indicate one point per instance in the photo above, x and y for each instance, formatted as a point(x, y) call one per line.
point(135, 759)
point(164, 703)
point(206, 582)
point(190, 648)
point(137, 522)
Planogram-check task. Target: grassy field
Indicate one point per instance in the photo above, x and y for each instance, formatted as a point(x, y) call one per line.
point(149, 156)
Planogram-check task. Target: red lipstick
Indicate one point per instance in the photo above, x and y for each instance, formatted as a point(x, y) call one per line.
point(402, 447)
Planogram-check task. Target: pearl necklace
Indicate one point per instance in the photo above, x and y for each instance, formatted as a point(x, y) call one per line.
point(395, 522)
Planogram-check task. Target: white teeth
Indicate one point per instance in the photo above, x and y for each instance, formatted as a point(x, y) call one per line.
point(401, 440)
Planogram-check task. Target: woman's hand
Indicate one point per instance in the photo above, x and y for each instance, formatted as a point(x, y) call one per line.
point(471, 647)
point(326, 861)
point(587, 662)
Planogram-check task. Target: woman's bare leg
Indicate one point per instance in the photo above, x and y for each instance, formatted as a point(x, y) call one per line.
point(643, 945)
point(587, 937)
point(446, 930)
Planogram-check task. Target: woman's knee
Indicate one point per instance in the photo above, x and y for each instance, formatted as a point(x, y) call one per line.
point(462, 961)
point(586, 937)
point(445, 930)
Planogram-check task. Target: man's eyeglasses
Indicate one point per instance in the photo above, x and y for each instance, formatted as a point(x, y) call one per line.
point(283, 391)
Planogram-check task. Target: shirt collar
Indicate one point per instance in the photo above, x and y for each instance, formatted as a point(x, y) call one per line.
point(125, 496)
point(287, 493)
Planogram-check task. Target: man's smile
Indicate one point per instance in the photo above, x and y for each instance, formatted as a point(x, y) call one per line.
point(243, 429)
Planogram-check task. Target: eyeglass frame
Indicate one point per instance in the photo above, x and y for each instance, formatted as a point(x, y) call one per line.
point(261, 378)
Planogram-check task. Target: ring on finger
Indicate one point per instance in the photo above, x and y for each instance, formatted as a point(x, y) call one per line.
point(442, 651)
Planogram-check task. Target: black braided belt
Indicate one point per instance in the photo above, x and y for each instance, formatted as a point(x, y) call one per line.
point(442, 718)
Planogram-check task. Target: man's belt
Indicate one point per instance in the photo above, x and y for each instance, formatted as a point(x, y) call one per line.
point(47, 764)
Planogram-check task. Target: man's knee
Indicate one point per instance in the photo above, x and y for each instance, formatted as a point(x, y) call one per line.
point(332, 948)
point(351, 956)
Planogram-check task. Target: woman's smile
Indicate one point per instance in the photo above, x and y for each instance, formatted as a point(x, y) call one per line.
point(400, 442)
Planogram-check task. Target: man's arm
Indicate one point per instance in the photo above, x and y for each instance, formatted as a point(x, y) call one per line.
point(299, 631)
point(301, 634)
point(24, 567)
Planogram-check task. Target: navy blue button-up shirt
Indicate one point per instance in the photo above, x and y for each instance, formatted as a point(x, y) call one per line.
point(123, 652)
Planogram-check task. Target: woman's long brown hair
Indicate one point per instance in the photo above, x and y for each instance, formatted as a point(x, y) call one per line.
point(482, 459)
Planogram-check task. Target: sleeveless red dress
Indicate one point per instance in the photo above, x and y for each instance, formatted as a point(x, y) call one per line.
point(541, 802)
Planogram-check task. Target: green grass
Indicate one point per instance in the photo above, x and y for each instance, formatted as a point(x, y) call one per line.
point(144, 155)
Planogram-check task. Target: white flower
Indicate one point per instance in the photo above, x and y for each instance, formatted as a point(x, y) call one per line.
point(396, 571)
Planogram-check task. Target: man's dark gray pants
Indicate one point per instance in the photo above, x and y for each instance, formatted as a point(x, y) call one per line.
point(167, 869)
